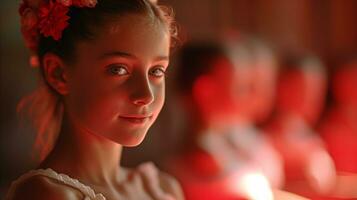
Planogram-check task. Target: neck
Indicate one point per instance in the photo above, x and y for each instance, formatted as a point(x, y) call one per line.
point(84, 155)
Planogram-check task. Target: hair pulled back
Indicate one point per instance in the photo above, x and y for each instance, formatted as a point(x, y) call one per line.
point(44, 107)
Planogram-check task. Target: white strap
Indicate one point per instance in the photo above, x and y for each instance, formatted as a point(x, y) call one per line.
point(87, 191)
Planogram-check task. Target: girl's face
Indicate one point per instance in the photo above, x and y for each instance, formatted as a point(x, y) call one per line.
point(117, 83)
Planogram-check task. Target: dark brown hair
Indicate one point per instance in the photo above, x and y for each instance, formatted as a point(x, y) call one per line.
point(44, 107)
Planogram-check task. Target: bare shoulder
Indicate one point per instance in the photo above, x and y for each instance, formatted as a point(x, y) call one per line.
point(154, 177)
point(170, 185)
point(40, 188)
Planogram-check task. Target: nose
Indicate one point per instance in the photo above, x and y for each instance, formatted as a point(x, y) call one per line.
point(142, 93)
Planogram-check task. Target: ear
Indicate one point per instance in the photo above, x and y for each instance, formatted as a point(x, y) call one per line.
point(55, 73)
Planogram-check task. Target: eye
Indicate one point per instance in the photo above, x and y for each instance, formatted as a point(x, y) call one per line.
point(120, 70)
point(157, 72)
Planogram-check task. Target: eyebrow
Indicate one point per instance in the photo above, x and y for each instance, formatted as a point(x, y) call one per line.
point(130, 56)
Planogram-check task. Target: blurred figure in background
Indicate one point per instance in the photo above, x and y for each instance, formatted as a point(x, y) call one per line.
point(209, 92)
point(256, 101)
point(220, 159)
point(339, 127)
point(301, 90)
point(265, 71)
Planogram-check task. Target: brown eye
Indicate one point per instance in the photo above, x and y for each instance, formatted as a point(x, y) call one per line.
point(157, 72)
point(120, 70)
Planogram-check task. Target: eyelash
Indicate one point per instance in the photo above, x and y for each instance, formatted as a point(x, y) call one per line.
point(163, 72)
point(118, 67)
point(114, 70)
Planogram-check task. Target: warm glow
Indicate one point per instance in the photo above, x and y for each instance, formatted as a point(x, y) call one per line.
point(251, 185)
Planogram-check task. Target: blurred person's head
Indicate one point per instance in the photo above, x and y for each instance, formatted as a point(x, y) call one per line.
point(243, 53)
point(209, 82)
point(264, 69)
point(301, 88)
point(345, 82)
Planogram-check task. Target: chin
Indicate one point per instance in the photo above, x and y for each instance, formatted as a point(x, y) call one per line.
point(132, 143)
point(131, 138)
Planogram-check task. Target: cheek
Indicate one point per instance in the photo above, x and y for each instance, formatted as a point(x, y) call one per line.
point(92, 102)
point(159, 97)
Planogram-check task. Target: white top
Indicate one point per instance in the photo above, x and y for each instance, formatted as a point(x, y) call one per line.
point(87, 191)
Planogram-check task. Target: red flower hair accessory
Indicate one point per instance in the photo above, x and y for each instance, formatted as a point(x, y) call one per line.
point(79, 3)
point(46, 17)
point(53, 19)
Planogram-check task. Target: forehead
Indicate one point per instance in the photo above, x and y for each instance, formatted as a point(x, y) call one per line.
point(135, 34)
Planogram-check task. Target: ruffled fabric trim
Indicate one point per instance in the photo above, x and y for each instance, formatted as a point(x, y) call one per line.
point(87, 191)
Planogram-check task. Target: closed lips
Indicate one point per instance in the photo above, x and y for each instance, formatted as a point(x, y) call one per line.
point(136, 119)
point(135, 116)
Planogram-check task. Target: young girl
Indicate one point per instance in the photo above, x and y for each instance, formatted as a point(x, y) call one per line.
point(103, 66)
point(211, 95)
point(222, 153)
point(301, 87)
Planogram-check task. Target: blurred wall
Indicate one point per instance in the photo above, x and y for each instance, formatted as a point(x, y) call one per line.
point(326, 27)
